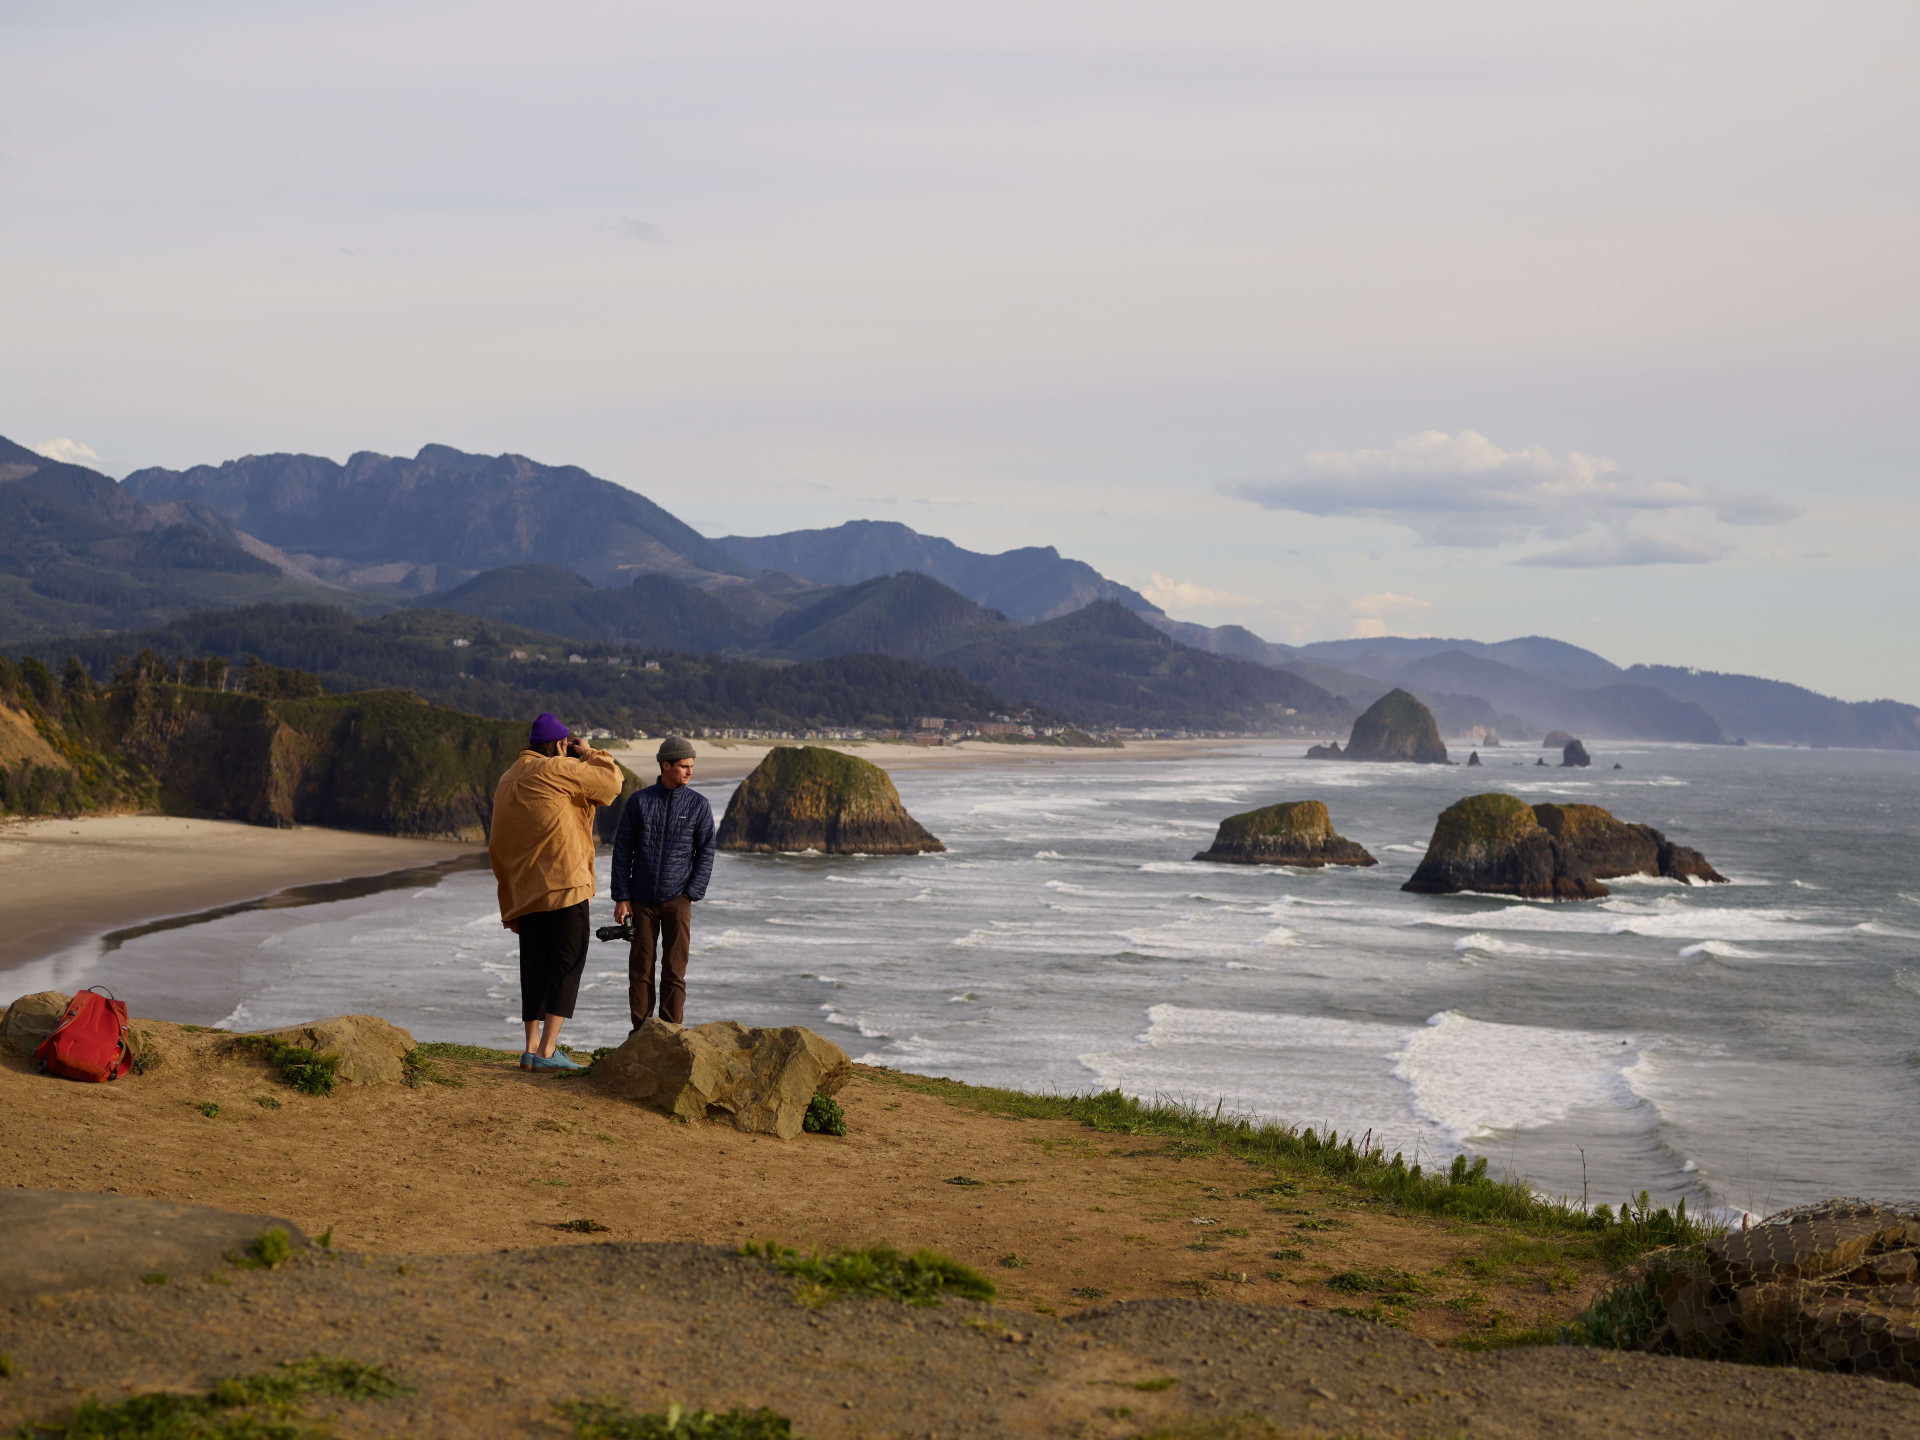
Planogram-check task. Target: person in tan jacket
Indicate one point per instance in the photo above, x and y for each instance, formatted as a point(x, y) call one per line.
point(541, 848)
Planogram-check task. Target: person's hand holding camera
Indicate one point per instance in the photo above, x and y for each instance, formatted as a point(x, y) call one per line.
point(578, 748)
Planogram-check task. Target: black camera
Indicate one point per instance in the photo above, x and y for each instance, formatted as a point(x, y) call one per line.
point(616, 932)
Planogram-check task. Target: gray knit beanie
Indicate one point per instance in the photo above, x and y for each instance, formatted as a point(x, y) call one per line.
point(673, 748)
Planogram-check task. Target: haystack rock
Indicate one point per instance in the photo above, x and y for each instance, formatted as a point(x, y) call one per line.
point(372, 1051)
point(1499, 845)
point(805, 797)
point(1492, 742)
point(1328, 751)
point(1473, 759)
point(1298, 832)
point(1555, 740)
point(760, 1081)
point(1397, 727)
point(1575, 756)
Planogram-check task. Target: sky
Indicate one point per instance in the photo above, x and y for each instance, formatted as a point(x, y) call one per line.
point(1482, 320)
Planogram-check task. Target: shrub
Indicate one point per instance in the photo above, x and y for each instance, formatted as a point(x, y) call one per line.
point(307, 1071)
point(825, 1117)
point(925, 1277)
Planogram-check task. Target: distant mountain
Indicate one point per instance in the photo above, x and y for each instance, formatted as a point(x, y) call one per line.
point(910, 615)
point(1104, 665)
point(1025, 585)
point(78, 552)
point(654, 612)
point(1774, 712)
point(379, 520)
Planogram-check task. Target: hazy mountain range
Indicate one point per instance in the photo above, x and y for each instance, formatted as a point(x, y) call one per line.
point(559, 551)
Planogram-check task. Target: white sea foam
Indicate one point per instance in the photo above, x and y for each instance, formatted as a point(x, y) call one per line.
point(1474, 1077)
point(1720, 948)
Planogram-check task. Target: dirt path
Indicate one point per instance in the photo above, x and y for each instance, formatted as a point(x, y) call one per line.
point(1058, 1215)
point(1132, 1260)
point(492, 1343)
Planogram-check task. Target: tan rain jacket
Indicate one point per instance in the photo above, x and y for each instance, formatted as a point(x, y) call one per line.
point(542, 841)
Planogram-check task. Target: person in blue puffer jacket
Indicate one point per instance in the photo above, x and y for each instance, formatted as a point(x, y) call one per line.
point(662, 860)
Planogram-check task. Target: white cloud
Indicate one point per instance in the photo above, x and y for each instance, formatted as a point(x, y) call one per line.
point(68, 452)
point(1372, 613)
point(1464, 490)
point(1183, 594)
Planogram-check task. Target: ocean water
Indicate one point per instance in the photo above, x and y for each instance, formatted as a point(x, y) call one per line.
point(1750, 1046)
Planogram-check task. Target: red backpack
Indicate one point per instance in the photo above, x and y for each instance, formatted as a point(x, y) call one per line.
point(90, 1042)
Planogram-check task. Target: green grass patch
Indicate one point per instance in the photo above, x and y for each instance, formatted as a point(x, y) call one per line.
point(925, 1277)
point(601, 1420)
point(446, 1050)
point(155, 1277)
point(267, 1102)
point(268, 1250)
point(420, 1070)
point(306, 1070)
point(208, 1108)
point(1014, 1260)
point(1463, 1190)
point(824, 1117)
point(266, 1406)
point(1394, 1287)
point(1164, 1382)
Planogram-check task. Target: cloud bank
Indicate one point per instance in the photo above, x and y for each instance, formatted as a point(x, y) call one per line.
point(1169, 594)
point(68, 452)
point(1463, 490)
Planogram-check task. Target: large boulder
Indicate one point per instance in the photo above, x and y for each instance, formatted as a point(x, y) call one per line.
point(1830, 1286)
point(1574, 755)
point(1297, 832)
point(372, 1051)
point(1498, 844)
point(760, 1081)
point(1397, 727)
point(31, 1017)
point(806, 797)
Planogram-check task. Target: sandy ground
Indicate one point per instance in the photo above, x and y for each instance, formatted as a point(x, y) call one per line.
point(732, 759)
point(64, 881)
point(445, 1201)
point(505, 1157)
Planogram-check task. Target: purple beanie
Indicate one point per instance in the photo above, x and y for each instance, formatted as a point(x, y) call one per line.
point(547, 727)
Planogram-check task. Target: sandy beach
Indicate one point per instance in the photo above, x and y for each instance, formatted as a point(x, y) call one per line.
point(62, 881)
point(732, 759)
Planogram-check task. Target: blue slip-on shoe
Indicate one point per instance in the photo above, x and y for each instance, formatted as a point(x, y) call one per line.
point(555, 1061)
point(527, 1057)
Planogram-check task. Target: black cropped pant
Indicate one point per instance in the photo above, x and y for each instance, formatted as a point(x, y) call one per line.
point(553, 956)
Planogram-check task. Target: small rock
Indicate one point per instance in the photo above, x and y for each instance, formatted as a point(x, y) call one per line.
point(372, 1051)
point(31, 1017)
point(760, 1080)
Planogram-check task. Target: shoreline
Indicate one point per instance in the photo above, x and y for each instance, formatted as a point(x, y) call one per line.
point(733, 759)
point(64, 882)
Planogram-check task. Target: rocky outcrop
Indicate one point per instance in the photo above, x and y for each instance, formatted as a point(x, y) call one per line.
point(1555, 740)
point(760, 1081)
point(1329, 751)
point(805, 797)
point(1498, 844)
point(1397, 727)
point(1298, 832)
point(1833, 1286)
point(1575, 756)
point(1473, 760)
point(31, 1017)
point(372, 1051)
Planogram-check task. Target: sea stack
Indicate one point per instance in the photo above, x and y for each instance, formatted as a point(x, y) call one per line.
point(1473, 759)
point(1397, 727)
point(1499, 845)
point(1328, 751)
point(1575, 756)
point(1555, 740)
point(806, 797)
point(1297, 832)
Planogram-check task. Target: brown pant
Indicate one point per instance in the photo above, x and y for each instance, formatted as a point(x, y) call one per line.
point(668, 927)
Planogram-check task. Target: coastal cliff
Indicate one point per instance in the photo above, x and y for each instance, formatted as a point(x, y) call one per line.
point(1297, 832)
point(1497, 844)
point(1397, 727)
point(280, 754)
point(806, 797)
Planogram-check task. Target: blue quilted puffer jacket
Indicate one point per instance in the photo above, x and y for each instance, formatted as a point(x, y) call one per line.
point(664, 846)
